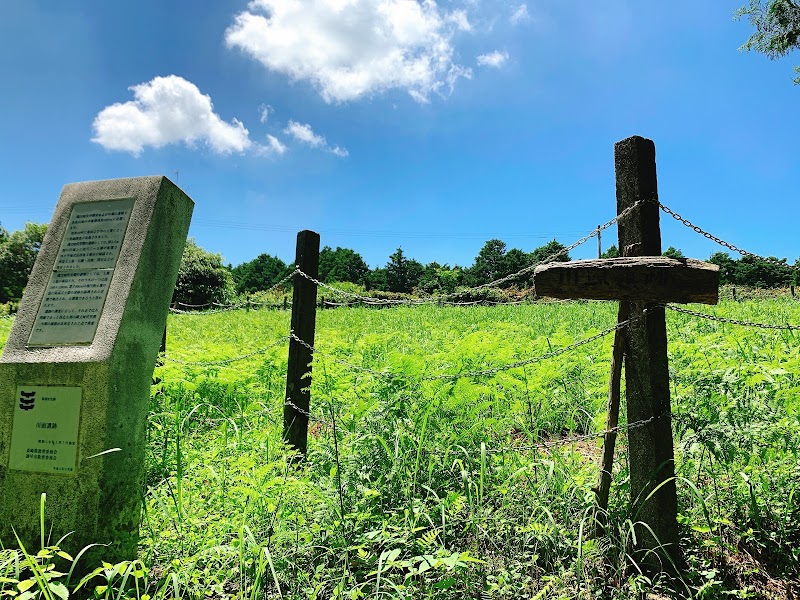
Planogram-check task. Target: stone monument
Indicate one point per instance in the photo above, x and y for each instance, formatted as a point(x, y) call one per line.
point(76, 371)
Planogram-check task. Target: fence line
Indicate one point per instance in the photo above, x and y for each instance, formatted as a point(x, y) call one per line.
point(451, 299)
point(229, 307)
point(227, 361)
point(701, 315)
point(392, 375)
point(720, 241)
point(543, 445)
point(466, 374)
point(483, 372)
point(492, 284)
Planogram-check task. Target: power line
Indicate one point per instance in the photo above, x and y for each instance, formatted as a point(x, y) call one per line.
point(377, 233)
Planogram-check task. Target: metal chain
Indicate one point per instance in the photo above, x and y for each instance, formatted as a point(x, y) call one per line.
point(543, 445)
point(311, 416)
point(226, 361)
point(442, 299)
point(207, 304)
point(467, 374)
point(274, 287)
point(563, 251)
point(357, 297)
point(229, 307)
point(721, 242)
point(578, 438)
point(482, 287)
point(695, 313)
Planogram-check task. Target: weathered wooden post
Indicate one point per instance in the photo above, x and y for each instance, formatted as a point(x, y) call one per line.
point(650, 447)
point(643, 281)
point(304, 316)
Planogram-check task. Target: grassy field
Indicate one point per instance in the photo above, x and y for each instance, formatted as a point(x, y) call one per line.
point(417, 487)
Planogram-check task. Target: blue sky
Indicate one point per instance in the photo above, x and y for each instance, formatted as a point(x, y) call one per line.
point(434, 126)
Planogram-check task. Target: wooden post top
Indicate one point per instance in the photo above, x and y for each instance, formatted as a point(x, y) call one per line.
point(638, 279)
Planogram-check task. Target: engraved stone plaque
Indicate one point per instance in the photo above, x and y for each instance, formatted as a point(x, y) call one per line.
point(44, 433)
point(75, 295)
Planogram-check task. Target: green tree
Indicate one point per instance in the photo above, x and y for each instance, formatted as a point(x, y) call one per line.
point(440, 279)
point(777, 26)
point(202, 278)
point(259, 274)
point(377, 280)
point(489, 264)
point(402, 274)
point(342, 264)
point(551, 248)
point(673, 252)
point(727, 266)
point(753, 271)
point(515, 260)
point(18, 252)
point(611, 252)
point(760, 273)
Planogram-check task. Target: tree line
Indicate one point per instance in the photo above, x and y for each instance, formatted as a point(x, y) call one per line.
point(204, 278)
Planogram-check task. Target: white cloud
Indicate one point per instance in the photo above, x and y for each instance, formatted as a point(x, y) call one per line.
point(167, 110)
point(349, 49)
point(274, 145)
point(459, 17)
point(263, 112)
point(520, 15)
point(303, 133)
point(493, 59)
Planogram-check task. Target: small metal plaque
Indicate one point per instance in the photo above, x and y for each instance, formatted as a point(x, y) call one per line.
point(76, 293)
point(44, 433)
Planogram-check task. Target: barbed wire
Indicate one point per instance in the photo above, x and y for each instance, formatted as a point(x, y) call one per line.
point(722, 242)
point(701, 315)
point(465, 374)
point(226, 361)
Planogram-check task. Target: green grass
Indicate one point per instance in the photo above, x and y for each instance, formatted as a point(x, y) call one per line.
point(418, 488)
point(5, 327)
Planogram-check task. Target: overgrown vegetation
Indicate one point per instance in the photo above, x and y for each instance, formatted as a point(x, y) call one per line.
point(419, 488)
point(203, 280)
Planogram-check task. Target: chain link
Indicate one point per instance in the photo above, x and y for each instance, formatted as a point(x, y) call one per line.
point(695, 313)
point(308, 414)
point(721, 242)
point(358, 298)
point(467, 374)
point(227, 361)
point(577, 438)
point(229, 307)
point(492, 284)
point(563, 251)
point(543, 445)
